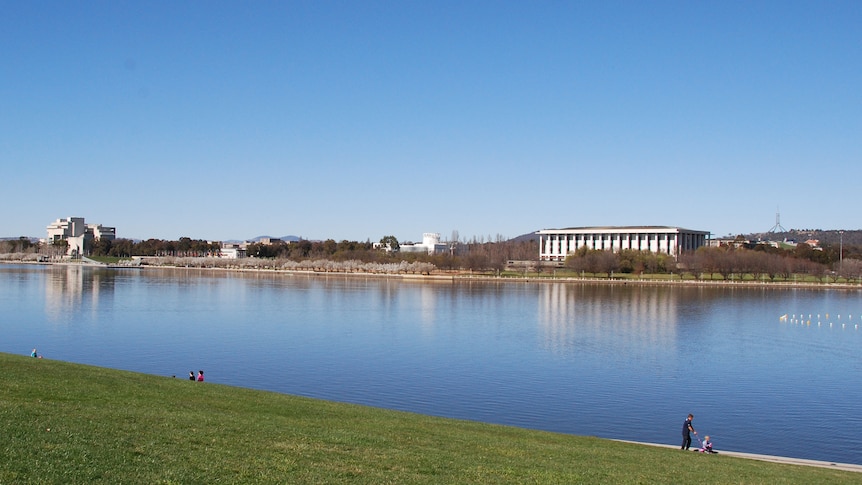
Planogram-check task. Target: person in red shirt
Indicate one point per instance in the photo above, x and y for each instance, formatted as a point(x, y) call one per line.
point(200, 376)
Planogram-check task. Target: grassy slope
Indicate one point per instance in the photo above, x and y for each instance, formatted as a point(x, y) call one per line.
point(69, 423)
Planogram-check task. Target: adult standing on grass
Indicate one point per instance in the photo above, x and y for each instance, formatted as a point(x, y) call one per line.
point(687, 429)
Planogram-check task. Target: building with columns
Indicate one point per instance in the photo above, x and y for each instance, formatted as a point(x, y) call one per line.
point(556, 244)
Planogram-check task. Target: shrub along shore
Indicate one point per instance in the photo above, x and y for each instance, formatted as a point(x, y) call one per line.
point(71, 423)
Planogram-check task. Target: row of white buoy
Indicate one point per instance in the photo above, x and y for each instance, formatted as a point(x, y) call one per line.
point(801, 320)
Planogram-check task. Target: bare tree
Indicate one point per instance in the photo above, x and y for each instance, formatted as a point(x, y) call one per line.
point(850, 269)
point(607, 262)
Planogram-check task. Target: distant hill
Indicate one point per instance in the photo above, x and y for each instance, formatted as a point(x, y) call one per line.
point(826, 237)
point(283, 238)
point(525, 237)
point(30, 238)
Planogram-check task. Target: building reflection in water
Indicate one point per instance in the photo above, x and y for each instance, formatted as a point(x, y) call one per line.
point(69, 288)
point(428, 306)
point(64, 290)
point(578, 318)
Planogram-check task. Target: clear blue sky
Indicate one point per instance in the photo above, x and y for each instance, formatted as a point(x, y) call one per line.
point(356, 120)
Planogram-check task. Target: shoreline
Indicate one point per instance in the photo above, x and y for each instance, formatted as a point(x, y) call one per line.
point(461, 277)
point(849, 467)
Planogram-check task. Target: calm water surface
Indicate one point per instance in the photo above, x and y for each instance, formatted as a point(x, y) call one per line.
point(625, 362)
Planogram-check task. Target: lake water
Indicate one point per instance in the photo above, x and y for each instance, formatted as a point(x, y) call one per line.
point(627, 362)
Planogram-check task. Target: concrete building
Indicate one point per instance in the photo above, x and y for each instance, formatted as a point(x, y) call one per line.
point(269, 241)
point(430, 244)
point(556, 244)
point(232, 251)
point(78, 234)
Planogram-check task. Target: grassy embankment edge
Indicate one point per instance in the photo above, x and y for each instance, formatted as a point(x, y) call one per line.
point(72, 423)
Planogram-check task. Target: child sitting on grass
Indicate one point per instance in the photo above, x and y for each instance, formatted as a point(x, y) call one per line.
point(706, 446)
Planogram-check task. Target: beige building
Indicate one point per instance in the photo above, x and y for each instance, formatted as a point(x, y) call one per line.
point(232, 251)
point(556, 244)
point(78, 234)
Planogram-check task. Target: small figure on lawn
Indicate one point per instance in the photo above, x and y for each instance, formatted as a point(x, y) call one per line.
point(706, 446)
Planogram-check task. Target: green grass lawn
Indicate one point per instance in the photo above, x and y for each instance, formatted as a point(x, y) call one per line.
point(108, 259)
point(69, 423)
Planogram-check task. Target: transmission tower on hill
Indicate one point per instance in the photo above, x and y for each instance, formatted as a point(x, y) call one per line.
point(778, 227)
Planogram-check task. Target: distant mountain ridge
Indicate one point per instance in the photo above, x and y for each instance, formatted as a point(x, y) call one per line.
point(824, 236)
point(525, 237)
point(283, 238)
point(13, 238)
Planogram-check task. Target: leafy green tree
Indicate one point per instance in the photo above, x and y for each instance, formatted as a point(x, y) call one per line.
point(101, 247)
point(390, 242)
point(330, 247)
point(184, 246)
point(61, 246)
point(300, 249)
point(122, 248)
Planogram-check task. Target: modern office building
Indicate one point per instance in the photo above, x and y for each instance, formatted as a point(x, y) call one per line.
point(78, 234)
point(556, 244)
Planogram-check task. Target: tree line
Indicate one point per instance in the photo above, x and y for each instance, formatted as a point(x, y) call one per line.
point(761, 261)
point(475, 255)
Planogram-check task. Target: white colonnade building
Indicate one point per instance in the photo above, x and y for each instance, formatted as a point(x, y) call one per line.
point(556, 244)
